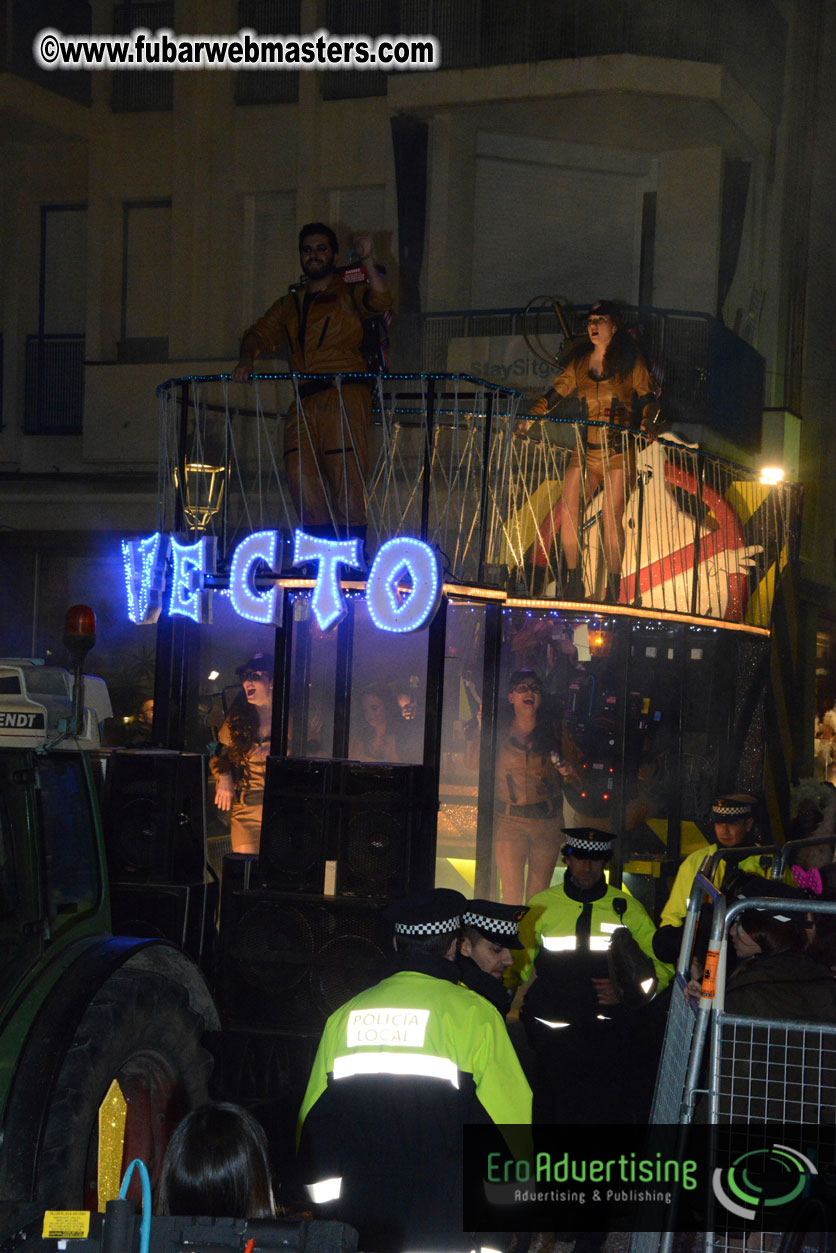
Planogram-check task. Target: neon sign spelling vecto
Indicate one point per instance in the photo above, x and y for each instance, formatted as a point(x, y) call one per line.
point(152, 562)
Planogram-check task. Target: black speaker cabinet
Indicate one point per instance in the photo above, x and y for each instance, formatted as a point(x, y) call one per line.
point(239, 873)
point(261, 1064)
point(185, 913)
point(217, 847)
point(295, 824)
point(289, 960)
point(375, 821)
point(386, 829)
point(266, 1070)
point(154, 816)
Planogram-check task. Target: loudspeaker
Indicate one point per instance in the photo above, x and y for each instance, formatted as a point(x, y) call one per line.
point(290, 960)
point(386, 829)
point(266, 1070)
point(239, 873)
point(185, 913)
point(376, 821)
point(154, 816)
point(254, 1064)
point(217, 847)
point(296, 823)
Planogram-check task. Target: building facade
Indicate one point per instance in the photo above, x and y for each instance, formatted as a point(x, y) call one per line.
point(675, 158)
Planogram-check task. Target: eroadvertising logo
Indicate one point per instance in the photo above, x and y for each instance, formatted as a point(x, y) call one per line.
point(762, 1179)
point(580, 1178)
point(737, 1176)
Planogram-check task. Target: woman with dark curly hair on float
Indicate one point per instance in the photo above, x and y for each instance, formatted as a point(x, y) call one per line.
point(610, 377)
point(243, 745)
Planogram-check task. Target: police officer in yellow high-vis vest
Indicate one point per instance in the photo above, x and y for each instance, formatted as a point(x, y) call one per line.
point(733, 816)
point(399, 1070)
point(580, 1022)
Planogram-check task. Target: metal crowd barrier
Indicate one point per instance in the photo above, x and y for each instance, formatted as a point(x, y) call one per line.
point(776, 859)
point(770, 857)
point(768, 1070)
point(727, 1068)
point(788, 851)
point(682, 1051)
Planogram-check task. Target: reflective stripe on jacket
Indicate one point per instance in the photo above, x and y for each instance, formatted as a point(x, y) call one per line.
point(412, 1023)
point(552, 920)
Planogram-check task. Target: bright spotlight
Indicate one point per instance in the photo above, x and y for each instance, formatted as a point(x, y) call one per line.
point(770, 475)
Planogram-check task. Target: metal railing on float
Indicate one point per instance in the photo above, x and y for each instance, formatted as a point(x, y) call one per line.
point(701, 536)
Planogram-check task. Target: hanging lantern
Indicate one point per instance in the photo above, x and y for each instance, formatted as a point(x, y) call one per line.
point(204, 489)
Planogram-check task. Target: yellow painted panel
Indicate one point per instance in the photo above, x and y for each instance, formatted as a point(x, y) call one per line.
point(532, 514)
point(113, 1113)
point(746, 498)
point(692, 838)
point(466, 867)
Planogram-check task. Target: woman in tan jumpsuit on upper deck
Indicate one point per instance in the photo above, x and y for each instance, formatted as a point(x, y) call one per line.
point(612, 380)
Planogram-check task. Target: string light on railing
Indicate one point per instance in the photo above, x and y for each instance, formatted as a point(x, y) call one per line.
point(771, 476)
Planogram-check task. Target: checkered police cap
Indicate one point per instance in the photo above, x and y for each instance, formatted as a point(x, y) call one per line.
point(497, 923)
point(587, 842)
point(439, 926)
point(728, 808)
point(438, 912)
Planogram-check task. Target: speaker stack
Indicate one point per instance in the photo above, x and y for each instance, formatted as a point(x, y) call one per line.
point(354, 828)
point(266, 1070)
point(153, 813)
point(184, 913)
point(301, 925)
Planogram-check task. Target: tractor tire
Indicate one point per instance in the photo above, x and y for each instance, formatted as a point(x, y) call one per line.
point(139, 1029)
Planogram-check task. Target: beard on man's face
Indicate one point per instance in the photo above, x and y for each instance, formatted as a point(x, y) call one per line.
point(318, 267)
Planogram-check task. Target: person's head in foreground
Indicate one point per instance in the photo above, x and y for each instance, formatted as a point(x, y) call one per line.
point(768, 930)
point(216, 1166)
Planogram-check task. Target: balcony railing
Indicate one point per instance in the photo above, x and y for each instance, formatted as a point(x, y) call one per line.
point(702, 536)
point(267, 17)
point(54, 403)
point(142, 91)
